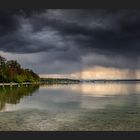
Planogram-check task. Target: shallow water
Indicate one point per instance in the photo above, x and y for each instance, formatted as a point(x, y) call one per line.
point(87, 106)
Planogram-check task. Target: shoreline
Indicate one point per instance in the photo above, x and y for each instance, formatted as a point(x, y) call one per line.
point(67, 82)
point(17, 84)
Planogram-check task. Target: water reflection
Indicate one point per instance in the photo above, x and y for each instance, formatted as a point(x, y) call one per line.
point(99, 106)
point(69, 97)
point(90, 95)
point(107, 89)
point(13, 95)
point(99, 89)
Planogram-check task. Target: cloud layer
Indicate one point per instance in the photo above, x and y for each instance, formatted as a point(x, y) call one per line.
point(68, 41)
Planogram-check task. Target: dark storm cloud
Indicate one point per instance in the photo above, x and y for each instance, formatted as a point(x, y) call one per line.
point(9, 19)
point(8, 22)
point(72, 36)
point(104, 31)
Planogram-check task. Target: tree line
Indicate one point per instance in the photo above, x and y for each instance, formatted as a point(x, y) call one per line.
point(58, 80)
point(11, 71)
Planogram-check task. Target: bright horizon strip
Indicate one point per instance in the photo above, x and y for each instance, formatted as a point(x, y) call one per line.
point(98, 73)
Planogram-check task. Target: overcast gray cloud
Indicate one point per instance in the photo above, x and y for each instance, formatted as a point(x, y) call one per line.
point(67, 41)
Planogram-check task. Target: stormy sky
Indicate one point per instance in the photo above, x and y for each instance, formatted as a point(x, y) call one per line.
point(68, 42)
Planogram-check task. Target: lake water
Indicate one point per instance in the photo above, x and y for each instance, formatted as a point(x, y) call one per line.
point(75, 107)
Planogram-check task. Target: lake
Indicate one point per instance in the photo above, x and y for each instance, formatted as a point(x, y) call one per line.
point(74, 107)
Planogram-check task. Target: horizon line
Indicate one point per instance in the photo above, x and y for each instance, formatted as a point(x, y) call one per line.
point(89, 79)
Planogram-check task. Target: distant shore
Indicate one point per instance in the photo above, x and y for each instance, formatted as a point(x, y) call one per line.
point(67, 81)
point(112, 80)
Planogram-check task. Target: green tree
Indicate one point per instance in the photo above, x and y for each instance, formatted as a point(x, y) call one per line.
point(11, 71)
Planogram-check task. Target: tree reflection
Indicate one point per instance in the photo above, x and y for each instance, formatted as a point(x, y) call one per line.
point(13, 95)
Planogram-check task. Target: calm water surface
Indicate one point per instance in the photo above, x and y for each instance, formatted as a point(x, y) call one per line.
point(88, 106)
